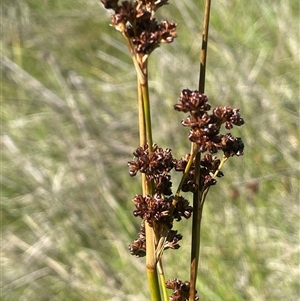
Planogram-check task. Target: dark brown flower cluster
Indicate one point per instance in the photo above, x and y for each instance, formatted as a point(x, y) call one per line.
point(138, 247)
point(205, 127)
point(208, 166)
point(136, 20)
point(157, 209)
point(181, 290)
point(172, 240)
point(156, 165)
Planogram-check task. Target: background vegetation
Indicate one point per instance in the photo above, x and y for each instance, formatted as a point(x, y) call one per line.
point(69, 126)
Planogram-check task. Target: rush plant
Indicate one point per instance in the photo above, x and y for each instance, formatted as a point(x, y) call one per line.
point(159, 206)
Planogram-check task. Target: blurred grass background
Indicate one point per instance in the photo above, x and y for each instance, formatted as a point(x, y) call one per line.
point(69, 126)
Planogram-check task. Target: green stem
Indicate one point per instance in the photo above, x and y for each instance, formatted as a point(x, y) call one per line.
point(147, 113)
point(151, 264)
point(151, 259)
point(224, 159)
point(162, 280)
point(197, 197)
point(194, 151)
point(139, 71)
point(195, 244)
point(203, 53)
point(148, 188)
point(145, 133)
point(142, 125)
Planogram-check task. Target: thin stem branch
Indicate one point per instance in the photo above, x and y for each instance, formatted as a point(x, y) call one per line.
point(139, 71)
point(194, 151)
point(162, 280)
point(224, 159)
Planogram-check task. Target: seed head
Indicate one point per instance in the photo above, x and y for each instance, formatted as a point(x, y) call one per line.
point(181, 290)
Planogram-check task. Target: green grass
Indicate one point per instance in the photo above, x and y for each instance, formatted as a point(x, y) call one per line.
point(69, 126)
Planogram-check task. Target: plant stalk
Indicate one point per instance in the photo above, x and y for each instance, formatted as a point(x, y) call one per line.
point(197, 197)
point(146, 137)
point(203, 53)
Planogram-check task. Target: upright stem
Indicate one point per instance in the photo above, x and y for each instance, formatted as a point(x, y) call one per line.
point(145, 132)
point(151, 264)
point(142, 125)
point(203, 53)
point(195, 232)
point(197, 197)
point(146, 102)
point(145, 129)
